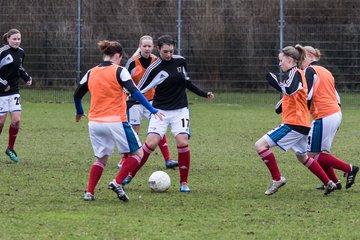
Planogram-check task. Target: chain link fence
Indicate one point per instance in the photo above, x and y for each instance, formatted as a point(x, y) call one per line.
point(229, 45)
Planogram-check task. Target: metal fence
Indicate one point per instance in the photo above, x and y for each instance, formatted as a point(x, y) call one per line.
point(229, 45)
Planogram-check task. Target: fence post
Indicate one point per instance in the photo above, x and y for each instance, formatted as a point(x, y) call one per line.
point(281, 32)
point(46, 82)
point(78, 24)
point(179, 28)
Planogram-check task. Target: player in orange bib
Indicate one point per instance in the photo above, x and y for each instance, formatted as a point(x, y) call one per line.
point(324, 103)
point(293, 131)
point(108, 125)
point(137, 66)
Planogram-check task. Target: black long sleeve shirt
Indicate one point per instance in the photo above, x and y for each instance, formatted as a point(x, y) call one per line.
point(11, 69)
point(170, 80)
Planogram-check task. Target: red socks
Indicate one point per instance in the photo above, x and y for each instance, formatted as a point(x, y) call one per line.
point(94, 176)
point(147, 152)
point(184, 162)
point(269, 159)
point(129, 165)
point(97, 169)
point(327, 161)
point(12, 136)
point(317, 170)
point(164, 148)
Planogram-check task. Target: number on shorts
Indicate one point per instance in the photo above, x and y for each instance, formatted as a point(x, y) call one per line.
point(17, 100)
point(185, 122)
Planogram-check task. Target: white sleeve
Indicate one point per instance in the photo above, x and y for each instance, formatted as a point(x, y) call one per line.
point(85, 78)
point(338, 97)
point(159, 78)
point(125, 75)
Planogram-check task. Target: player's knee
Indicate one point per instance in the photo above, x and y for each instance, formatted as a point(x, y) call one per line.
point(182, 143)
point(301, 158)
point(152, 140)
point(15, 124)
point(182, 140)
point(260, 145)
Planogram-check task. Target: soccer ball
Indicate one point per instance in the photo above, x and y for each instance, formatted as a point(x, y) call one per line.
point(159, 181)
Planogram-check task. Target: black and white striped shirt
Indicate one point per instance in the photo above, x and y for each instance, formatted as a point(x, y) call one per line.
point(11, 69)
point(170, 80)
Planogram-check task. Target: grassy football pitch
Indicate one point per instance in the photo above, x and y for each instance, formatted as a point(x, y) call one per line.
point(41, 196)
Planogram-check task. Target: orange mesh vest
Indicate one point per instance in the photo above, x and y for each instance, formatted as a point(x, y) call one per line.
point(295, 110)
point(108, 99)
point(139, 72)
point(324, 101)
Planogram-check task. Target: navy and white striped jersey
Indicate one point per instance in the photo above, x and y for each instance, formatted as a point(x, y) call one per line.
point(11, 69)
point(170, 80)
point(292, 81)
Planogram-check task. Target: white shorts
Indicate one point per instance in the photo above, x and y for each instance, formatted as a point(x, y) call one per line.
point(179, 121)
point(136, 114)
point(323, 131)
point(104, 136)
point(286, 138)
point(11, 103)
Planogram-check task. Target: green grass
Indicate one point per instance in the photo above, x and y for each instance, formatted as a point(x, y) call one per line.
point(245, 98)
point(41, 197)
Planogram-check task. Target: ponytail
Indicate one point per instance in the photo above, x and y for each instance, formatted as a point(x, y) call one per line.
point(314, 52)
point(302, 54)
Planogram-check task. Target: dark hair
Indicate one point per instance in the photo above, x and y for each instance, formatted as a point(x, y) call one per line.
point(165, 39)
point(110, 48)
point(9, 33)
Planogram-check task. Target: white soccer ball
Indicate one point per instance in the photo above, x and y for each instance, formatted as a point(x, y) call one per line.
point(159, 181)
